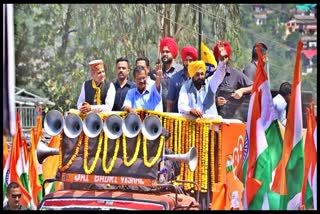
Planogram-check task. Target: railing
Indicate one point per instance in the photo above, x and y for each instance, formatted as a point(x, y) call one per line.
point(27, 116)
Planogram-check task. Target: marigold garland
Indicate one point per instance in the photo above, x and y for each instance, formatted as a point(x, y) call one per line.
point(212, 168)
point(219, 156)
point(74, 155)
point(145, 152)
point(96, 157)
point(184, 134)
point(106, 169)
point(136, 151)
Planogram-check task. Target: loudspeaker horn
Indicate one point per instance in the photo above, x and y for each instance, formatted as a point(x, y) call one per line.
point(191, 158)
point(92, 125)
point(43, 151)
point(132, 125)
point(53, 122)
point(73, 126)
point(112, 126)
point(151, 127)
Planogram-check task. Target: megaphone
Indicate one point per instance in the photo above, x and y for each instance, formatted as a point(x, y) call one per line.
point(92, 125)
point(151, 127)
point(73, 125)
point(190, 157)
point(112, 126)
point(132, 125)
point(53, 122)
point(43, 151)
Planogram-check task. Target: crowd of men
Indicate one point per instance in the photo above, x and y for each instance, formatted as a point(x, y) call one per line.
point(172, 87)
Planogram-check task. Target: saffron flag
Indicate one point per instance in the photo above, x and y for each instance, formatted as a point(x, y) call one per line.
point(50, 166)
point(34, 173)
point(310, 154)
point(208, 58)
point(288, 175)
point(262, 149)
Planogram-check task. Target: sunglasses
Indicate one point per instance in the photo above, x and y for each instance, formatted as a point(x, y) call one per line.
point(14, 196)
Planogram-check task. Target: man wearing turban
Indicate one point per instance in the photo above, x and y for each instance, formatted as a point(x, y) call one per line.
point(197, 95)
point(169, 51)
point(232, 87)
point(188, 55)
point(96, 94)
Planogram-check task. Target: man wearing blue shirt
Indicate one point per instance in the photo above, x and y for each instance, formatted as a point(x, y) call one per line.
point(143, 97)
point(188, 55)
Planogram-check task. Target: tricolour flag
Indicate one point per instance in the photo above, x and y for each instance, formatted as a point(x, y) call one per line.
point(18, 166)
point(310, 155)
point(208, 58)
point(5, 169)
point(289, 172)
point(263, 144)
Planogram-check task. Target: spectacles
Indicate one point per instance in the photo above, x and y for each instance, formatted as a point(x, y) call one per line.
point(14, 196)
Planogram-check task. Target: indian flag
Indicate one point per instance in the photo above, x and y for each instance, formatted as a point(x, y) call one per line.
point(310, 164)
point(262, 145)
point(288, 175)
point(18, 166)
point(5, 167)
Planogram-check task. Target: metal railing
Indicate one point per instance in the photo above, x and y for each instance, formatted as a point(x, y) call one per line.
point(27, 116)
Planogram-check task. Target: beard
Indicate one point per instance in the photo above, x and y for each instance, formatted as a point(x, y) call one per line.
point(166, 60)
point(198, 83)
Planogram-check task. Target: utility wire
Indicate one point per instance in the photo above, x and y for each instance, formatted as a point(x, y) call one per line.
point(203, 11)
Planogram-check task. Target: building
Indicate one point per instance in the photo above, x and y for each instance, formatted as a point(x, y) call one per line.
point(29, 105)
point(305, 23)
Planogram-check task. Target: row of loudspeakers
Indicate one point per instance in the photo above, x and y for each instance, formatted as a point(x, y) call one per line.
point(114, 126)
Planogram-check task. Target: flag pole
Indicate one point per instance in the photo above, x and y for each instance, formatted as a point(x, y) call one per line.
point(200, 31)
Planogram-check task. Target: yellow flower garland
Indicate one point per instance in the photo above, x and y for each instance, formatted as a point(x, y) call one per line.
point(95, 160)
point(136, 152)
point(212, 168)
point(219, 156)
point(74, 155)
point(114, 157)
point(145, 152)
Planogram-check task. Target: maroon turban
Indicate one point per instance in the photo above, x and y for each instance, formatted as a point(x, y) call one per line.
point(171, 44)
point(227, 47)
point(189, 51)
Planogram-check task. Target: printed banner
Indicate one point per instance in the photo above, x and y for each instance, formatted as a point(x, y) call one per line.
point(106, 179)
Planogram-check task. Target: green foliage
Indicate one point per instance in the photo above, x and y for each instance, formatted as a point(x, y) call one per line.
point(55, 42)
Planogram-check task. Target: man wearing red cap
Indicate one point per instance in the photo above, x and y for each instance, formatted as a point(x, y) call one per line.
point(169, 51)
point(232, 87)
point(96, 94)
point(188, 55)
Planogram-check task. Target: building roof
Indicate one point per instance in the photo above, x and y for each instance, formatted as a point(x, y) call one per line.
point(24, 97)
point(310, 53)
